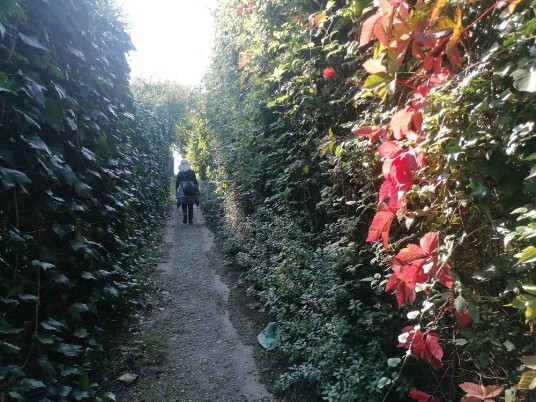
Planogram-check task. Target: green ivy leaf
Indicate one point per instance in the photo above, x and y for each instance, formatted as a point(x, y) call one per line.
point(474, 313)
point(65, 391)
point(81, 333)
point(54, 111)
point(529, 361)
point(11, 370)
point(28, 297)
point(44, 265)
point(87, 275)
point(45, 364)
point(393, 362)
point(525, 79)
point(32, 41)
point(82, 189)
point(528, 256)
point(53, 325)
point(78, 308)
point(10, 303)
point(36, 91)
point(44, 339)
point(15, 395)
point(6, 329)
point(9, 348)
point(530, 289)
point(4, 86)
point(110, 292)
point(460, 304)
point(59, 278)
point(11, 177)
point(29, 384)
point(375, 80)
point(70, 349)
point(56, 72)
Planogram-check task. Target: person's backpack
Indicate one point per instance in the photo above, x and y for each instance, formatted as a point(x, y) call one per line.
point(188, 188)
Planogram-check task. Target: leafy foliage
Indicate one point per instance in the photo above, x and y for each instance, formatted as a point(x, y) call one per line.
point(440, 98)
point(83, 186)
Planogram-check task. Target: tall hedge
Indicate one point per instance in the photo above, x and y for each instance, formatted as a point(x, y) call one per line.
point(375, 163)
point(83, 174)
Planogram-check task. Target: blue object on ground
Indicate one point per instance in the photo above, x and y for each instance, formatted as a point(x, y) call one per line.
point(269, 338)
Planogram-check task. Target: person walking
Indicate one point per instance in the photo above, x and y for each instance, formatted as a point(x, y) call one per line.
point(187, 191)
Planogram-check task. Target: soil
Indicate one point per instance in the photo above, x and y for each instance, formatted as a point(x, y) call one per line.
point(196, 339)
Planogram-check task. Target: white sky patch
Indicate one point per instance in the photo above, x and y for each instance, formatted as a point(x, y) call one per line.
point(173, 38)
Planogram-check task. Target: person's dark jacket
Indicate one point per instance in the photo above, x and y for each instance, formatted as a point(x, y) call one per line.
point(184, 177)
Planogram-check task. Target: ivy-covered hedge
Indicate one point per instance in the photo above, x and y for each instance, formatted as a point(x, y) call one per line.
point(332, 125)
point(84, 184)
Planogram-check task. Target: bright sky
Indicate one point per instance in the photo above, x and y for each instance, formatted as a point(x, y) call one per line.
point(173, 38)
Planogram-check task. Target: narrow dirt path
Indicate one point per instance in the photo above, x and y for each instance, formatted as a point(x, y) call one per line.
point(199, 354)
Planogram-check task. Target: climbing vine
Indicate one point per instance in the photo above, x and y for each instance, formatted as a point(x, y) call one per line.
point(390, 146)
point(83, 172)
point(426, 40)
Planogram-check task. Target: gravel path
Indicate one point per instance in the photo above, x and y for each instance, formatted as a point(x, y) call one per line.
point(199, 354)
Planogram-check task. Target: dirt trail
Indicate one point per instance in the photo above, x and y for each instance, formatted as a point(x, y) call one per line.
point(200, 356)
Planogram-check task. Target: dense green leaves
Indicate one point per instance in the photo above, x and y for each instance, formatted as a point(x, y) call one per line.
point(84, 185)
point(287, 84)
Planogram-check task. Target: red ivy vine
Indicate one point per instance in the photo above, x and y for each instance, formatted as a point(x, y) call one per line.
point(425, 33)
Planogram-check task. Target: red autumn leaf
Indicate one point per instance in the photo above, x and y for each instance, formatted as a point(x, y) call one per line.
point(400, 122)
point(372, 131)
point(422, 91)
point(420, 396)
point(477, 392)
point(367, 30)
point(429, 62)
point(397, 200)
point(442, 272)
point(410, 253)
point(386, 6)
point(455, 58)
point(389, 150)
point(401, 48)
point(386, 190)
point(463, 319)
point(424, 346)
point(381, 224)
point(417, 121)
point(412, 334)
point(329, 72)
point(440, 78)
point(471, 388)
point(364, 131)
point(374, 66)
point(401, 173)
point(429, 242)
point(473, 398)
point(380, 30)
point(299, 17)
point(416, 50)
point(243, 7)
point(420, 160)
point(493, 391)
point(403, 281)
point(243, 61)
point(433, 351)
point(399, 170)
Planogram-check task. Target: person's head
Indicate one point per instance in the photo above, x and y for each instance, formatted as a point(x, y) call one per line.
point(184, 165)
